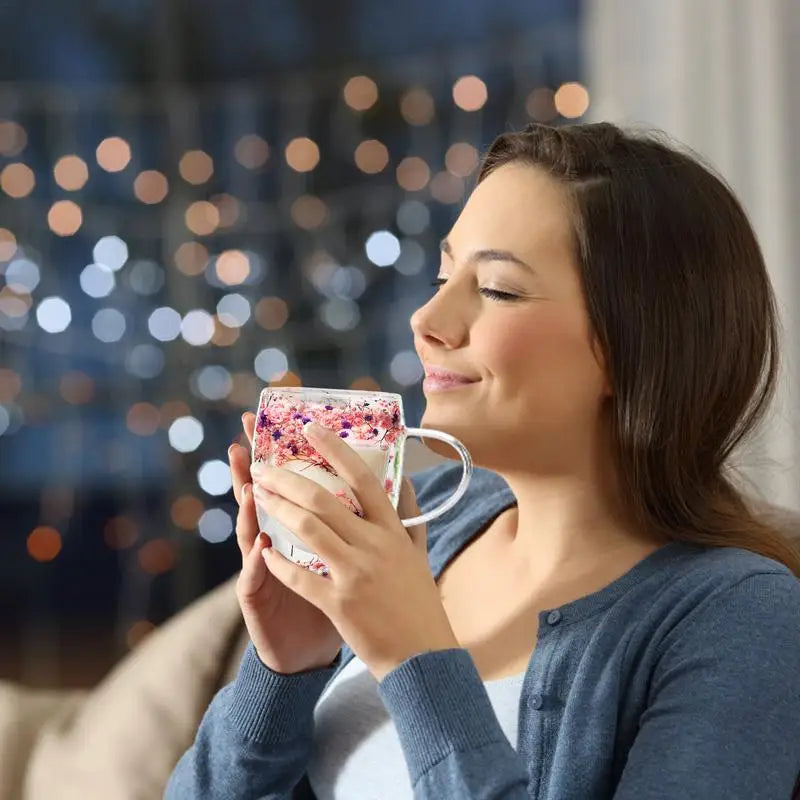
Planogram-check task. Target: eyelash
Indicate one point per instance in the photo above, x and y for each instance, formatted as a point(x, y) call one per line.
point(492, 293)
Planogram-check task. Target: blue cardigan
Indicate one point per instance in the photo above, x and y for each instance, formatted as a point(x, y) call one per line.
point(677, 680)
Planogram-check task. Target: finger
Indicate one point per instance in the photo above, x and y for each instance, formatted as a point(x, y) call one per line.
point(311, 587)
point(254, 570)
point(306, 494)
point(315, 534)
point(249, 424)
point(246, 521)
point(239, 460)
point(353, 470)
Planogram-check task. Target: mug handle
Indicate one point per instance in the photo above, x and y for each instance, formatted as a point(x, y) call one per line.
point(466, 461)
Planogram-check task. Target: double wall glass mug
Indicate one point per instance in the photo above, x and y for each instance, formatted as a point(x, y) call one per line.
point(371, 423)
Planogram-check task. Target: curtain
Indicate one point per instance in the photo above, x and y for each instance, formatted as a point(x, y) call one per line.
point(721, 76)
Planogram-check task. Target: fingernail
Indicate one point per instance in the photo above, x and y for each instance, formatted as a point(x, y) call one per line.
point(265, 539)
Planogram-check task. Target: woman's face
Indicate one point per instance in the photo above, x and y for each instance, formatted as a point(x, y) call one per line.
point(539, 385)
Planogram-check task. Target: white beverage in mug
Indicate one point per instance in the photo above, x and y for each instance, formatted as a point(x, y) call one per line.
point(372, 423)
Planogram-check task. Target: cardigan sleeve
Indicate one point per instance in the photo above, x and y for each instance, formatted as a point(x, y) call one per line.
point(256, 736)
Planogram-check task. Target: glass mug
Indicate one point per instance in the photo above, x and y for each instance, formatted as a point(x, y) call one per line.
point(371, 423)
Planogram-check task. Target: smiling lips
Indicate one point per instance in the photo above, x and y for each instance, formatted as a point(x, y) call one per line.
point(440, 379)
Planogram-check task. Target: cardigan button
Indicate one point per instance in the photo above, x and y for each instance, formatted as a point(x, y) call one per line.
point(554, 617)
point(537, 700)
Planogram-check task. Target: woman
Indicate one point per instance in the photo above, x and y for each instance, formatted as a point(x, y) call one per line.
point(602, 615)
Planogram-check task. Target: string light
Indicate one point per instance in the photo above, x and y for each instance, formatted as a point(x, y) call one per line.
point(157, 556)
point(191, 258)
point(461, 159)
point(540, 105)
point(76, 388)
point(120, 532)
point(271, 313)
point(202, 218)
point(309, 212)
point(142, 419)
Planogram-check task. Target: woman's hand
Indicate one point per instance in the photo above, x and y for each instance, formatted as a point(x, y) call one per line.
point(289, 634)
point(379, 593)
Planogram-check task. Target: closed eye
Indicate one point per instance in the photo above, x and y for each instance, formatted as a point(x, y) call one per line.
point(494, 294)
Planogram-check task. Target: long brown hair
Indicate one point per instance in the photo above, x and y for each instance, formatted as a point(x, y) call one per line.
point(679, 298)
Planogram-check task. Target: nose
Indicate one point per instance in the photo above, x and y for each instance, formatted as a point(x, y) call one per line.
point(440, 321)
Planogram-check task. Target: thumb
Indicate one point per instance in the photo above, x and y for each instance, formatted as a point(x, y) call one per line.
point(406, 508)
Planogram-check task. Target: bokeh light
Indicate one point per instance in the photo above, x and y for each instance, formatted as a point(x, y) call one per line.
point(461, 159)
point(413, 217)
point(212, 382)
point(214, 477)
point(447, 188)
point(309, 212)
point(186, 434)
point(302, 154)
point(571, 100)
point(270, 364)
point(150, 186)
point(120, 532)
point(44, 543)
point(196, 166)
point(186, 511)
point(13, 138)
point(53, 314)
point(470, 93)
point(172, 410)
point(271, 313)
point(108, 325)
point(406, 368)
point(157, 556)
point(371, 156)
point(22, 275)
point(144, 361)
point(202, 218)
point(65, 218)
point(145, 277)
point(111, 252)
point(215, 525)
point(251, 151)
point(8, 244)
point(413, 173)
point(382, 248)
point(540, 104)
point(97, 280)
point(71, 173)
point(17, 180)
point(113, 154)
point(142, 419)
point(360, 93)
point(417, 106)
point(197, 327)
point(164, 324)
point(233, 310)
point(232, 267)
point(191, 258)
point(76, 387)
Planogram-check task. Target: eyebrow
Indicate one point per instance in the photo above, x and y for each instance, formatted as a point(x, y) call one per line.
point(488, 255)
